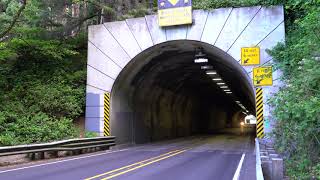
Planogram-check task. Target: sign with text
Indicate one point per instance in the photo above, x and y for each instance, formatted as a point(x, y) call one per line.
point(250, 56)
point(174, 12)
point(262, 76)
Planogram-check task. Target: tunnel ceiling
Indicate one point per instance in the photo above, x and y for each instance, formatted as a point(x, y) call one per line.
point(171, 66)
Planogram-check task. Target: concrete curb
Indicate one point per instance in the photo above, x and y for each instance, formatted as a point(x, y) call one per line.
point(259, 173)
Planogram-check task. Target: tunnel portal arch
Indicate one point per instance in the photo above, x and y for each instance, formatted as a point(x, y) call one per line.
point(115, 47)
point(161, 93)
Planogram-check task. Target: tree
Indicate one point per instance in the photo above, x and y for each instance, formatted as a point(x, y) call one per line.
point(15, 19)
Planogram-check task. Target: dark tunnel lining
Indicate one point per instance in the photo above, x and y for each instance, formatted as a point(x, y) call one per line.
point(163, 94)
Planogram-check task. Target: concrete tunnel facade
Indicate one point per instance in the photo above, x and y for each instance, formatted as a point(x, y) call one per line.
point(158, 92)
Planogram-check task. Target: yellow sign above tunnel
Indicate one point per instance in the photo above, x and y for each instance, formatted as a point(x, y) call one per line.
point(250, 56)
point(173, 2)
point(174, 12)
point(262, 76)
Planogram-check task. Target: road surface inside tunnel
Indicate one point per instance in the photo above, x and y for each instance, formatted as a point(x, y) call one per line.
point(222, 156)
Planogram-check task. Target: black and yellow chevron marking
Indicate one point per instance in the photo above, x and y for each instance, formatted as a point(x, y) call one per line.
point(106, 126)
point(259, 113)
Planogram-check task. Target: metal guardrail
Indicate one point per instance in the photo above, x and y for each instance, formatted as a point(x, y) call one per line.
point(66, 145)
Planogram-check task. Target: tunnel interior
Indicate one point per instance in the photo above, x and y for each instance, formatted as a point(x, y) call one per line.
point(163, 94)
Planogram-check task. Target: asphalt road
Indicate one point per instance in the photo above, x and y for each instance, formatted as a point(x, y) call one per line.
point(194, 158)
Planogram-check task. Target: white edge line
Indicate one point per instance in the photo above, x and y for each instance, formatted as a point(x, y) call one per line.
point(237, 173)
point(55, 162)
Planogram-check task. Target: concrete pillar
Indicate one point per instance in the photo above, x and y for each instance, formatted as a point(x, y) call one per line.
point(267, 169)
point(277, 168)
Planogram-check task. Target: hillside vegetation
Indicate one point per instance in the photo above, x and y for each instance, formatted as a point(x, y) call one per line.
point(43, 70)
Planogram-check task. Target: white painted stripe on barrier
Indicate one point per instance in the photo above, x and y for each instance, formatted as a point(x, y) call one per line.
point(66, 160)
point(237, 173)
point(259, 172)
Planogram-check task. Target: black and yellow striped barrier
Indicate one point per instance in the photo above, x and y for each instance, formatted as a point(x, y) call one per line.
point(259, 113)
point(106, 126)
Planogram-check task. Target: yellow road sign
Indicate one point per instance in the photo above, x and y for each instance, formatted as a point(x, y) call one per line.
point(250, 56)
point(262, 76)
point(174, 12)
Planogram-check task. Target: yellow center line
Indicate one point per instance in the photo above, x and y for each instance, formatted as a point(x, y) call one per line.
point(134, 164)
point(146, 164)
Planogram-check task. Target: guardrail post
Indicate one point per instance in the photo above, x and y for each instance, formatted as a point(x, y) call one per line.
point(55, 153)
point(32, 156)
point(38, 155)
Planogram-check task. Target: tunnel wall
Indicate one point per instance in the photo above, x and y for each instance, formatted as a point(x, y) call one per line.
point(218, 119)
point(164, 114)
point(111, 46)
point(169, 116)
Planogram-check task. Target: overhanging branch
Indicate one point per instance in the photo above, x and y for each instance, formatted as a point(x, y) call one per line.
point(15, 19)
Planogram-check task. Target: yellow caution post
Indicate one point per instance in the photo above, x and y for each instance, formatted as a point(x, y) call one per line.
point(259, 113)
point(106, 127)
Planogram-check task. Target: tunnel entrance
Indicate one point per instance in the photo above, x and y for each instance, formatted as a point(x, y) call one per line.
point(163, 94)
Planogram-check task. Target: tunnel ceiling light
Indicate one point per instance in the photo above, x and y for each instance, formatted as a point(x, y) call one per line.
point(229, 92)
point(211, 72)
point(217, 79)
point(201, 60)
point(221, 83)
point(244, 108)
point(226, 90)
point(238, 102)
point(206, 67)
point(224, 87)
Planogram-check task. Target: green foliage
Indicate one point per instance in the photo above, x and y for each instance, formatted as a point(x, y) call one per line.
point(43, 66)
point(33, 128)
point(139, 12)
point(43, 87)
point(89, 134)
point(214, 4)
point(297, 111)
